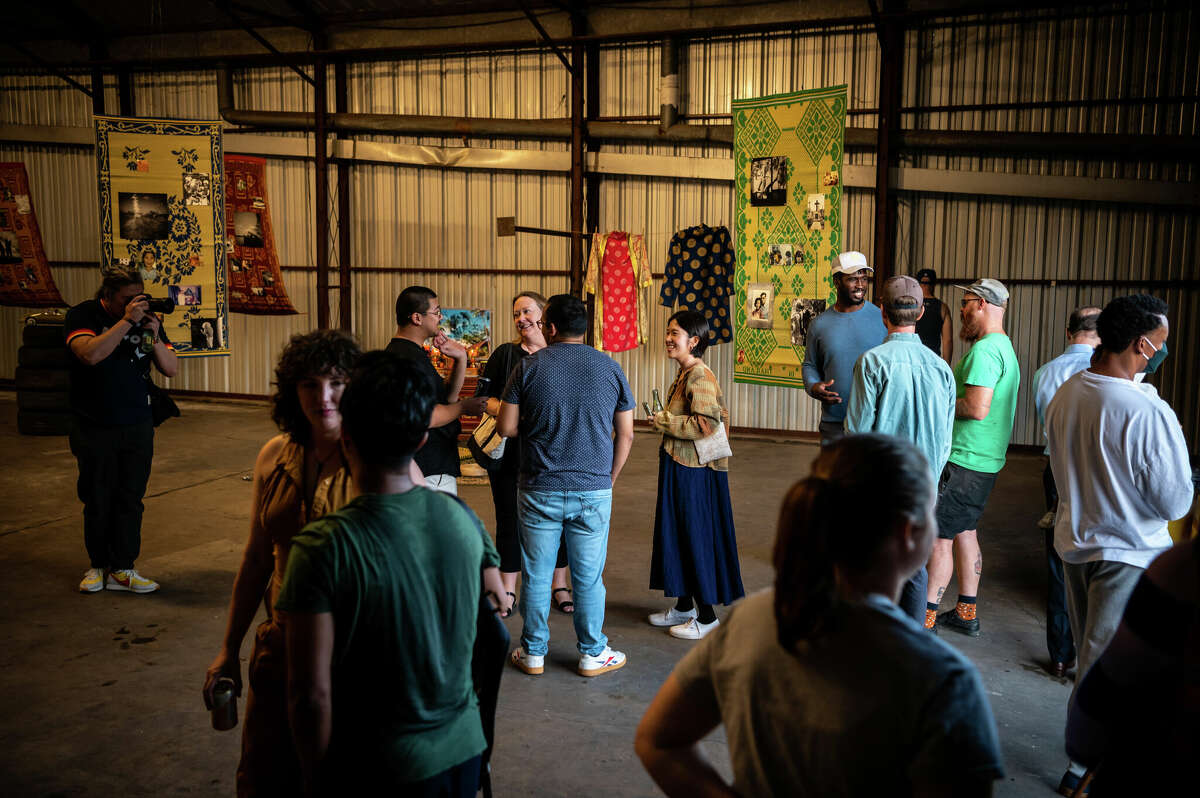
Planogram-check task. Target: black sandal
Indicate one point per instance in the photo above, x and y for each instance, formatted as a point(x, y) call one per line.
point(510, 609)
point(565, 607)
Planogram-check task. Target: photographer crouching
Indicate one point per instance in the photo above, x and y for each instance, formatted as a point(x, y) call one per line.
point(114, 338)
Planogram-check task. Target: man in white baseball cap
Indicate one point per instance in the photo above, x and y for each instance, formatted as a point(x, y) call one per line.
point(835, 340)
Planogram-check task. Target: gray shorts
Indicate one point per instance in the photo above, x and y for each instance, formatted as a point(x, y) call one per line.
point(962, 495)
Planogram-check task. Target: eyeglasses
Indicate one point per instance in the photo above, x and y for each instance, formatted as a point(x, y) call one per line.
point(966, 302)
point(435, 312)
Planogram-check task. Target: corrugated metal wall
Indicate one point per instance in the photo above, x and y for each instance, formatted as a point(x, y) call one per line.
point(430, 218)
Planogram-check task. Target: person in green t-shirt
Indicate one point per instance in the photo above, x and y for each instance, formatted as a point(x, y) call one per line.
point(382, 599)
point(986, 380)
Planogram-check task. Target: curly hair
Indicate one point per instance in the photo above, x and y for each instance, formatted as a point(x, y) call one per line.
point(1127, 318)
point(313, 354)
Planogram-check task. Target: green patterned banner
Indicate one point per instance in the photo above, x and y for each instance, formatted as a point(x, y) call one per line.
point(162, 211)
point(787, 152)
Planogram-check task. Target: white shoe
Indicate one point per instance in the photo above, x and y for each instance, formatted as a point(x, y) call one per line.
point(1047, 521)
point(670, 617)
point(93, 581)
point(607, 660)
point(131, 581)
point(530, 663)
point(692, 630)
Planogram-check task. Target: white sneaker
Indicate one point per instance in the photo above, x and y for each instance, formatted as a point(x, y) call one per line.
point(1047, 521)
point(670, 617)
point(607, 660)
point(530, 663)
point(692, 629)
point(93, 581)
point(131, 581)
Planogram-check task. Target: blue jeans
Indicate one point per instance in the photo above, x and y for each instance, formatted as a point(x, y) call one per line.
point(545, 516)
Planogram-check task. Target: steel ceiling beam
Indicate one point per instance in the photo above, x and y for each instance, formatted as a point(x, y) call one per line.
point(286, 58)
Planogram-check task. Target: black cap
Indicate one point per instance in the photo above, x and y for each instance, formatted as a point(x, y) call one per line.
point(930, 273)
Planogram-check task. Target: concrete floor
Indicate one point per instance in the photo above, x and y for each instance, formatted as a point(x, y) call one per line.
point(102, 692)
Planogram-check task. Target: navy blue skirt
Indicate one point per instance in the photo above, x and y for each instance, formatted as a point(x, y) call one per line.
point(695, 549)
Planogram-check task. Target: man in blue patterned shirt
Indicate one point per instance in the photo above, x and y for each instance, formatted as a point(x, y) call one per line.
point(563, 404)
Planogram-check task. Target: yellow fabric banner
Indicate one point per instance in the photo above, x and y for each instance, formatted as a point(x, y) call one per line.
point(162, 210)
point(787, 152)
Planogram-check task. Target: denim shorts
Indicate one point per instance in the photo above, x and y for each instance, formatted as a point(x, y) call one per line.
point(962, 495)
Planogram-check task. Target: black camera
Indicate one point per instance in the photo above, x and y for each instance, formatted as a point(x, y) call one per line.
point(159, 304)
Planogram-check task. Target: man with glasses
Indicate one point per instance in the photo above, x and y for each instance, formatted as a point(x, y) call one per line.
point(418, 316)
point(835, 340)
point(935, 326)
point(986, 380)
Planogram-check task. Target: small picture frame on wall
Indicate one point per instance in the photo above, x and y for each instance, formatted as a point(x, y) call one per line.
point(768, 181)
point(758, 305)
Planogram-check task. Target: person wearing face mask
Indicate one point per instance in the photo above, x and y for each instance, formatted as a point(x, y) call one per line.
point(1121, 465)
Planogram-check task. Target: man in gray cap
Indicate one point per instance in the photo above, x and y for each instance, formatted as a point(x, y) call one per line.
point(835, 340)
point(986, 380)
point(902, 388)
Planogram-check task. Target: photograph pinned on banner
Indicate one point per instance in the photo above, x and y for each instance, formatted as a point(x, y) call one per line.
point(247, 229)
point(814, 211)
point(768, 181)
point(803, 313)
point(206, 333)
point(758, 305)
point(10, 248)
point(184, 294)
point(780, 255)
point(144, 217)
point(197, 188)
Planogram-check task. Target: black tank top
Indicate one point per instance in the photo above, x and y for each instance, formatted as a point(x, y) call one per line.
point(929, 326)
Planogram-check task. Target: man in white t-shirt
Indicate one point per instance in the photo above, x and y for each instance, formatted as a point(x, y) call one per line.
point(1121, 466)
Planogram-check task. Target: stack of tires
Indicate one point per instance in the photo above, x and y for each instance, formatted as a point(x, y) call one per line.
point(43, 377)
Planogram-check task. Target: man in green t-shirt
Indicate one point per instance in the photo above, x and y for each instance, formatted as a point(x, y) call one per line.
point(382, 599)
point(986, 380)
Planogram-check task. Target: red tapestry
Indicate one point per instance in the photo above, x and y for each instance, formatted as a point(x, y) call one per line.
point(25, 278)
point(255, 280)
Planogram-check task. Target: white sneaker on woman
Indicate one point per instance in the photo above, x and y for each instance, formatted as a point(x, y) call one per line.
point(693, 629)
point(670, 617)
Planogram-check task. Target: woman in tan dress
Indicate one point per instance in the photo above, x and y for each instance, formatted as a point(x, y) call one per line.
point(300, 475)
